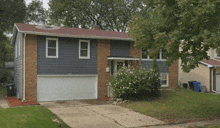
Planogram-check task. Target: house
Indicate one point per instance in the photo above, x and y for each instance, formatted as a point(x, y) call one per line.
point(208, 72)
point(57, 63)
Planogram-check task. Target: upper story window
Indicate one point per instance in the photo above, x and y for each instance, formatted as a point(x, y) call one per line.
point(84, 49)
point(159, 57)
point(51, 48)
point(216, 54)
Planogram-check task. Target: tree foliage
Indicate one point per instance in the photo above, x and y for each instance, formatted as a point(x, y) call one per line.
point(192, 24)
point(107, 14)
point(35, 13)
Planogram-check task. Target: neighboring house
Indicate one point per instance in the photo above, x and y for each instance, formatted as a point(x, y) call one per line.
point(208, 72)
point(58, 63)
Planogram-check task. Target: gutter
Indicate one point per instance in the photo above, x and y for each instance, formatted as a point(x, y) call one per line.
point(24, 71)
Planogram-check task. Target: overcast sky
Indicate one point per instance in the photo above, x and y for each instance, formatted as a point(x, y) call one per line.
point(45, 3)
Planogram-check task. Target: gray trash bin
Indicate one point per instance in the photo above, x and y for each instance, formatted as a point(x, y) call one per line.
point(203, 88)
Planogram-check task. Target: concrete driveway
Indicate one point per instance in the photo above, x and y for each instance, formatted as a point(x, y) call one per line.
point(77, 114)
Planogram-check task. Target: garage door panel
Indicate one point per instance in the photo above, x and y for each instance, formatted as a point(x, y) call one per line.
point(66, 88)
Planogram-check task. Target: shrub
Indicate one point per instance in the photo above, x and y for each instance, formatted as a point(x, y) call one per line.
point(132, 83)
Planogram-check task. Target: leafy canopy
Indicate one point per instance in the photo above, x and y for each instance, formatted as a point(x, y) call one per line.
point(107, 14)
point(195, 23)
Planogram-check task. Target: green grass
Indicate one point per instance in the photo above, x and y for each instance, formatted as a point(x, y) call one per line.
point(179, 106)
point(3, 90)
point(29, 117)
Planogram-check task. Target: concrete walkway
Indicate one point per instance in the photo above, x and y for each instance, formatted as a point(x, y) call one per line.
point(78, 114)
point(3, 103)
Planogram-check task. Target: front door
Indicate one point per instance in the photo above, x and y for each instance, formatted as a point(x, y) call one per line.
point(118, 65)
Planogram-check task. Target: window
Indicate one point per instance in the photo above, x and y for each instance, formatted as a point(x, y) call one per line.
point(159, 57)
point(51, 48)
point(164, 79)
point(216, 54)
point(84, 49)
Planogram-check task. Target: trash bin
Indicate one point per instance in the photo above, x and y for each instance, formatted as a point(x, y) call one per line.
point(203, 88)
point(196, 86)
point(191, 85)
point(10, 90)
point(185, 85)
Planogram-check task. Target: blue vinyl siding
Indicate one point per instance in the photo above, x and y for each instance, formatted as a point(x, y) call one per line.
point(18, 67)
point(68, 61)
point(161, 64)
point(119, 48)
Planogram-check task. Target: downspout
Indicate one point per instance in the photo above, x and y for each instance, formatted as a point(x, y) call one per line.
point(24, 71)
point(212, 80)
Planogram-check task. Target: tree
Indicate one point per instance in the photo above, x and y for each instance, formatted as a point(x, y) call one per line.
point(195, 23)
point(35, 13)
point(108, 15)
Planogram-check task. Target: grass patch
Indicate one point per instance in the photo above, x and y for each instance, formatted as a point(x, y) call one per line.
point(207, 126)
point(179, 106)
point(29, 117)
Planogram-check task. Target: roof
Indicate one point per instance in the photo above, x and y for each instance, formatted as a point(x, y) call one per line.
point(211, 62)
point(70, 32)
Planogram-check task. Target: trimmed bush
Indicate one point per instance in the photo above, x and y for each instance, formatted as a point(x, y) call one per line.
point(132, 83)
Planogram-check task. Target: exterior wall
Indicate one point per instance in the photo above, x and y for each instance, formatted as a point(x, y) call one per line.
point(103, 51)
point(200, 74)
point(18, 67)
point(119, 48)
point(173, 74)
point(31, 67)
point(68, 61)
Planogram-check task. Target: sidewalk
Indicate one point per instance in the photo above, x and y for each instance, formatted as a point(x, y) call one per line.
point(186, 125)
point(3, 103)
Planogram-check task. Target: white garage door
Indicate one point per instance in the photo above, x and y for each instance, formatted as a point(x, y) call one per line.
point(53, 88)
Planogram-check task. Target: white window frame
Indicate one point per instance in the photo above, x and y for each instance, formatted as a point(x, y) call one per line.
point(88, 49)
point(56, 39)
point(166, 85)
point(216, 55)
point(148, 57)
point(15, 50)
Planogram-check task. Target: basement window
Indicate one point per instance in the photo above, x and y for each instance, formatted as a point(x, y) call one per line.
point(51, 48)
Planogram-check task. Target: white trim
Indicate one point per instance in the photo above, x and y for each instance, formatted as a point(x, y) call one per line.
point(67, 75)
point(88, 49)
point(178, 70)
point(24, 70)
point(166, 80)
point(75, 36)
point(212, 80)
point(156, 59)
point(206, 64)
point(121, 58)
point(56, 39)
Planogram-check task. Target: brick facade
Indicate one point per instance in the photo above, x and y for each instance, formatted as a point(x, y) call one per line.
point(103, 51)
point(31, 67)
point(173, 74)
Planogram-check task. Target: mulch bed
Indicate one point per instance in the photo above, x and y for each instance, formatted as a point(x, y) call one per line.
point(13, 101)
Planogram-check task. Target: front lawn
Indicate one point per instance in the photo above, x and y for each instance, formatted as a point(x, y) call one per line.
point(179, 106)
point(29, 117)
